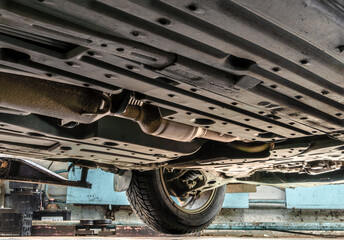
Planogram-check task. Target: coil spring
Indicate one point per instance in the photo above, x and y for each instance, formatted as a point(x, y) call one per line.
point(135, 102)
point(191, 175)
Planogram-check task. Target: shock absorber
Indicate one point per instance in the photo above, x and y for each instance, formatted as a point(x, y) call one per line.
point(191, 178)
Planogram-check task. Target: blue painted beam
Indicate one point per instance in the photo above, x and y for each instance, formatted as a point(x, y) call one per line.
point(272, 201)
point(319, 197)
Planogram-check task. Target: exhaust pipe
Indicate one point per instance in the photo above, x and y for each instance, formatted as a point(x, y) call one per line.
point(66, 102)
point(76, 104)
point(151, 122)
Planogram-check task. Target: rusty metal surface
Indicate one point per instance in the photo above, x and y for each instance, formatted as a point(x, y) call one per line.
point(240, 188)
point(65, 102)
point(151, 122)
point(43, 230)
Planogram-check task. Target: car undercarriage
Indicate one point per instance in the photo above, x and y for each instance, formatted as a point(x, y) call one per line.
point(195, 95)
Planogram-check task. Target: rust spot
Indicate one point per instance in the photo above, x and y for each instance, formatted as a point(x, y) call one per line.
point(3, 164)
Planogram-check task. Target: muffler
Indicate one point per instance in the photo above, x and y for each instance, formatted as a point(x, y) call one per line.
point(62, 101)
point(82, 105)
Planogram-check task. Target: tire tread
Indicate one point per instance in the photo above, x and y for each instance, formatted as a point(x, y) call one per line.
point(141, 198)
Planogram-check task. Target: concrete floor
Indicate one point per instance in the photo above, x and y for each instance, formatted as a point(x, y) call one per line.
point(157, 238)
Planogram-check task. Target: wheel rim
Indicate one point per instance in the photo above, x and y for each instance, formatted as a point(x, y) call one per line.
point(191, 204)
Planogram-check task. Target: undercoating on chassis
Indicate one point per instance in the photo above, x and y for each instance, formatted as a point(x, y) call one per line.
point(231, 91)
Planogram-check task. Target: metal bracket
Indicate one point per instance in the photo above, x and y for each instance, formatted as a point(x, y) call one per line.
point(13, 169)
point(339, 135)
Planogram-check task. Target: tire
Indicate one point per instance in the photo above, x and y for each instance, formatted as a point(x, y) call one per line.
point(154, 207)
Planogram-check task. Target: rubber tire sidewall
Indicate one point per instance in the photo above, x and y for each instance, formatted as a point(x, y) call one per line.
point(174, 219)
